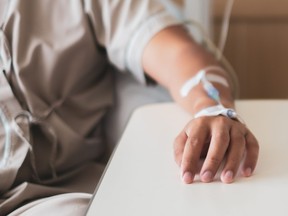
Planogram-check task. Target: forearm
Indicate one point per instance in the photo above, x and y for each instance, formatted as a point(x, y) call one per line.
point(172, 57)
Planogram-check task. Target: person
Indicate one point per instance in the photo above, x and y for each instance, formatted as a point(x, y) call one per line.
point(59, 59)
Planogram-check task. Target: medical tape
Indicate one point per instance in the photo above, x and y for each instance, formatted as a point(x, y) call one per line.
point(206, 79)
point(219, 110)
point(211, 91)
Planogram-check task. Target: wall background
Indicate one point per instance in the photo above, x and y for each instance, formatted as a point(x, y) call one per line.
point(257, 45)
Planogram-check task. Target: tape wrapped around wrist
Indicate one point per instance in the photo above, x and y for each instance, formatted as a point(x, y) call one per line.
point(219, 110)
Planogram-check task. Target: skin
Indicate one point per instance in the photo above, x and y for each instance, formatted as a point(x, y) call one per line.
point(171, 58)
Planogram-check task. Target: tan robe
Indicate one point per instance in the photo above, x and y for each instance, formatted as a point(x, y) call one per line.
point(63, 54)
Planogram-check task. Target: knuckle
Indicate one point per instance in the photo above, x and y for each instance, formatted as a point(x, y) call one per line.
point(194, 142)
point(215, 161)
point(233, 162)
point(186, 163)
point(200, 120)
point(238, 137)
point(189, 131)
point(221, 135)
point(222, 121)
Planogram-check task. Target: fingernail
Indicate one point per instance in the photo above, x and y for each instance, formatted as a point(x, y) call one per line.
point(248, 172)
point(187, 177)
point(228, 176)
point(207, 176)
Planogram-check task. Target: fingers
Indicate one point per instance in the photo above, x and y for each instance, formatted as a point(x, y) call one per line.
point(241, 143)
point(234, 155)
point(179, 145)
point(252, 154)
point(193, 145)
point(216, 152)
point(228, 141)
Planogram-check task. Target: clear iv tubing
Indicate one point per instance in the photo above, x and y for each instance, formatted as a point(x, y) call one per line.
point(3, 119)
point(7, 145)
point(225, 27)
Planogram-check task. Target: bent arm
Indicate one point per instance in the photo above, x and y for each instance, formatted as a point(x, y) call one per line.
point(171, 58)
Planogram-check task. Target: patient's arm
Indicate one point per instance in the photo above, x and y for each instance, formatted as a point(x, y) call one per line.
point(171, 58)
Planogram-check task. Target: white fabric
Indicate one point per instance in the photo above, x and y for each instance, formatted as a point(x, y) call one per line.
point(139, 41)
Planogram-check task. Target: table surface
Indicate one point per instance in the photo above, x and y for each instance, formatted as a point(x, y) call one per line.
point(143, 179)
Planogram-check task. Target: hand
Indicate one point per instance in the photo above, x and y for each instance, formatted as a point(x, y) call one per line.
point(220, 140)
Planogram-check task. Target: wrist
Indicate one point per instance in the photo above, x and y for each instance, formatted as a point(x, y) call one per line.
point(204, 103)
point(208, 89)
point(219, 110)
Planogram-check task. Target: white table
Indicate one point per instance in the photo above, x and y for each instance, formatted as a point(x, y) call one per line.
point(142, 178)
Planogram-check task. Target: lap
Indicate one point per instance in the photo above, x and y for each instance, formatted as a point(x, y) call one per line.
point(67, 204)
